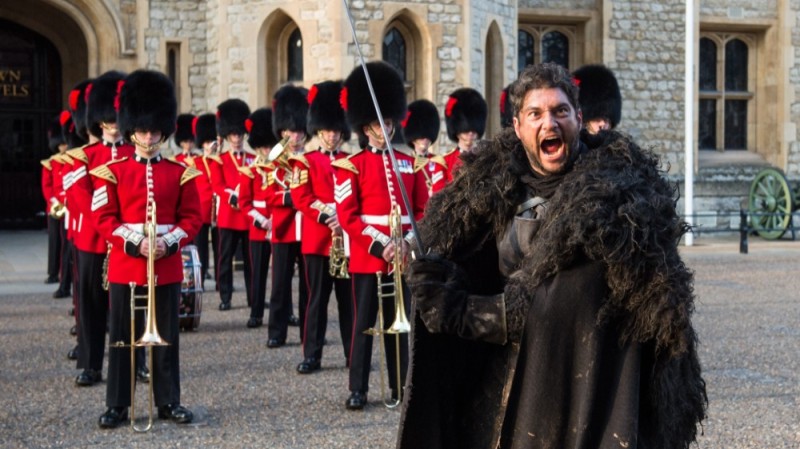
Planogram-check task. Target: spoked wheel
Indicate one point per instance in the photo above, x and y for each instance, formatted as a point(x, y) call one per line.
point(770, 204)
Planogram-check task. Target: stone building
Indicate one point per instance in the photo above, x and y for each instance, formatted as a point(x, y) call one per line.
point(746, 57)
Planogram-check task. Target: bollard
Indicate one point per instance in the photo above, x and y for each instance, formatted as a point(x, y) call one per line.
point(743, 230)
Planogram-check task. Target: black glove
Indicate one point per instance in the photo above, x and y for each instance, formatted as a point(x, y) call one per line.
point(234, 201)
point(439, 288)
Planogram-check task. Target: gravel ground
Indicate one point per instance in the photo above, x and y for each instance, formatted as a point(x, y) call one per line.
point(245, 395)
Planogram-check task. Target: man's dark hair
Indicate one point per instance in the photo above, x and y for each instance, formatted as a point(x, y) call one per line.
point(542, 76)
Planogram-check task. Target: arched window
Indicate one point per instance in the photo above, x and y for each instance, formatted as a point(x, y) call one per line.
point(546, 43)
point(725, 91)
point(400, 45)
point(394, 51)
point(294, 54)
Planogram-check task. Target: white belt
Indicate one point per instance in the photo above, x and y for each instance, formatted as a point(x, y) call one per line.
point(260, 204)
point(139, 227)
point(382, 220)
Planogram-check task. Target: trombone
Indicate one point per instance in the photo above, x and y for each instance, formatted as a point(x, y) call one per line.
point(150, 337)
point(400, 325)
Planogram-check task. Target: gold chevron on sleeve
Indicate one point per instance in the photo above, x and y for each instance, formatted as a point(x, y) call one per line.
point(103, 172)
point(345, 164)
point(189, 174)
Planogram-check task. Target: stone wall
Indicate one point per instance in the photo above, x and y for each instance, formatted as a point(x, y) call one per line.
point(739, 9)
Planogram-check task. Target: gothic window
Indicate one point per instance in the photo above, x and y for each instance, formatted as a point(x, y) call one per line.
point(174, 67)
point(398, 47)
point(725, 90)
point(546, 43)
point(294, 53)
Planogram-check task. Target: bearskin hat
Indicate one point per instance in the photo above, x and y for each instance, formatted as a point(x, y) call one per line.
point(183, 128)
point(77, 109)
point(324, 109)
point(147, 102)
point(259, 129)
point(465, 111)
point(289, 109)
point(598, 93)
point(357, 101)
point(100, 98)
point(421, 121)
point(54, 136)
point(231, 115)
point(506, 108)
point(68, 130)
point(204, 128)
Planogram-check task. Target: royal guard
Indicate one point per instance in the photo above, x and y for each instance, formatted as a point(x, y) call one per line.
point(367, 191)
point(232, 222)
point(52, 192)
point(253, 196)
point(135, 195)
point(323, 245)
point(101, 122)
point(421, 129)
point(62, 164)
point(289, 109)
point(204, 132)
point(184, 137)
point(465, 117)
point(77, 138)
point(598, 97)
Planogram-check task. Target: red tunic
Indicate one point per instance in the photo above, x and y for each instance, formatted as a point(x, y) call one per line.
point(48, 190)
point(434, 168)
point(253, 193)
point(452, 160)
point(225, 183)
point(120, 205)
point(312, 194)
point(203, 182)
point(79, 194)
point(286, 221)
point(366, 188)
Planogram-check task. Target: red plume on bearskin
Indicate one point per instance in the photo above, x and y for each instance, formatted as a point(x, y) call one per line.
point(260, 134)
point(101, 95)
point(598, 93)
point(467, 112)
point(184, 129)
point(506, 108)
point(231, 115)
point(147, 102)
point(389, 91)
point(325, 110)
point(289, 109)
point(423, 121)
point(77, 106)
point(205, 129)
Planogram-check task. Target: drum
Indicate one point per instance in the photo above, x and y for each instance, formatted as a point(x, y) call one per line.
point(191, 304)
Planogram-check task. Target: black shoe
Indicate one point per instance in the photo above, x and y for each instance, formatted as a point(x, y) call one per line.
point(143, 375)
point(294, 321)
point(175, 412)
point(309, 365)
point(88, 378)
point(275, 343)
point(73, 330)
point(356, 401)
point(225, 306)
point(254, 322)
point(113, 417)
point(51, 280)
point(73, 353)
point(61, 294)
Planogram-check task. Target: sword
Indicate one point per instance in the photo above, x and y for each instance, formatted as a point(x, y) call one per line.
point(395, 165)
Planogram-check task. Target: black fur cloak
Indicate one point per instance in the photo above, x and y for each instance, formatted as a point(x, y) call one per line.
point(615, 210)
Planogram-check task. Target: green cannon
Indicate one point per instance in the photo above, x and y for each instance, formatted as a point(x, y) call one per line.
point(771, 203)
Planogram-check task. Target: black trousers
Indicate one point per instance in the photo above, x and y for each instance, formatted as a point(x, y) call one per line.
point(93, 310)
point(229, 239)
point(365, 289)
point(320, 284)
point(201, 242)
point(65, 281)
point(284, 258)
point(54, 242)
point(259, 254)
point(165, 372)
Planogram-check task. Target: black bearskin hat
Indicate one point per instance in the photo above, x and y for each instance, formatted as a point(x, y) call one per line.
point(357, 102)
point(147, 102)
point(598, 93)
point(101, 98)
point(259, 129)
point(289, 109)
point(324, 109)
point(465, 111)
point(68, 131)
point(204, 128)
point(77, 108)
point(54, 136)
point(421, 121)
point(231, 115)
point(183, 128)
point(506, 109)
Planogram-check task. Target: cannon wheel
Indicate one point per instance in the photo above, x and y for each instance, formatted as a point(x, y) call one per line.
point(770, 204)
